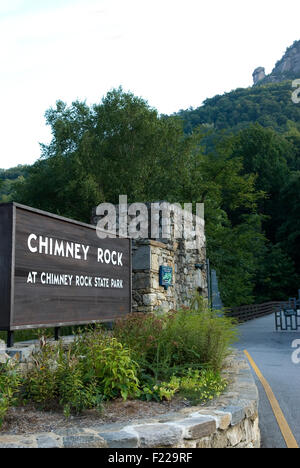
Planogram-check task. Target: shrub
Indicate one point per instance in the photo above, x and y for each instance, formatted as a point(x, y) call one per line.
point(143, 334)
point(109, 363)
point(195, 386)
point(40, 384)
point(75, 392)
point(96, 367)
point(171, 344)
point(201, 387)
point(4, 406)
point(202, 337)
point(10, 380)
point(149, 357)
point(160, 391)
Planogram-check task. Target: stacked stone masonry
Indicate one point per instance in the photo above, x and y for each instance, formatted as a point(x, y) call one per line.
point(148, 295)
point(186, 255)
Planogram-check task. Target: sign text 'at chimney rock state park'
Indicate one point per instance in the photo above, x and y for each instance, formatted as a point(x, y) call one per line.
point(56, 271)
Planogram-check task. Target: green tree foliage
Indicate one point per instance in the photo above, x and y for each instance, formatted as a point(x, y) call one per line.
point(8, 179)
point(276, 278)
point(289, 230)
point(120, 146)
point(265, 154)
point(246, 175)
point(233, 226)
point(269, 105)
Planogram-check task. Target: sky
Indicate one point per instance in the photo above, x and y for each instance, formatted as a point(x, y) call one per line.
point(173, 53)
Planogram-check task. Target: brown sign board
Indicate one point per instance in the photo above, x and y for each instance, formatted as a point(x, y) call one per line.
point(56, 271)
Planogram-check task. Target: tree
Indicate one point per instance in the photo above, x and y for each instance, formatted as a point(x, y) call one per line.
point(8, 180)
point(269, 105)
point(289, 231)
point(122, 146)
point(276, 278)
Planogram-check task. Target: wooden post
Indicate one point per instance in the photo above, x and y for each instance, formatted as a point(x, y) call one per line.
point(56, 333)
point(10, 339)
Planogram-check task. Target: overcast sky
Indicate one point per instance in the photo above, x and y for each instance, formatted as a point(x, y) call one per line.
point(173, 53)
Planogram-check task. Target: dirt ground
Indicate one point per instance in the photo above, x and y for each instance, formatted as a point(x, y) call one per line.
point(29, 420)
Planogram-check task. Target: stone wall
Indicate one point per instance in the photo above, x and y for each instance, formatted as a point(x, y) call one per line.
point(148, 295)
point(230, 421)
point(185, 255)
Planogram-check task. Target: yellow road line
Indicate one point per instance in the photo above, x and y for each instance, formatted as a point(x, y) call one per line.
point(282, 422)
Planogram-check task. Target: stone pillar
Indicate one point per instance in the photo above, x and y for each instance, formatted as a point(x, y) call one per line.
point(188, 262)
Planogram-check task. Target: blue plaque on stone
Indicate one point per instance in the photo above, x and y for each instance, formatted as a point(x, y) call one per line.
point(165, 276)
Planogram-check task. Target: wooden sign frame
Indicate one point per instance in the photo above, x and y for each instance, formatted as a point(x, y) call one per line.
point(55, 271)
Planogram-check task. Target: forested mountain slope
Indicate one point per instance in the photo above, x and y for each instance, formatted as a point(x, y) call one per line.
point(270, 105)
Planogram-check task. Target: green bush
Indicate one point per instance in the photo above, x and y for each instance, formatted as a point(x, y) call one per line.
point(108, 362)
point(10, 380)
point(40, 384)
point(195, 386)
point(160, 391)
point(76, 391)
point(170, 344)
point(201, 387)
point(96, 367)
point(147, 356)
point(143, 334)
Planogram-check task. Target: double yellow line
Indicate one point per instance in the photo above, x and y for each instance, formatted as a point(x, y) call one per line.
point(282, 422)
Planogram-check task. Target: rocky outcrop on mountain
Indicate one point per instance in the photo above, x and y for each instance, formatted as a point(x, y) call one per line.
point(288, 68)
point(258, 74)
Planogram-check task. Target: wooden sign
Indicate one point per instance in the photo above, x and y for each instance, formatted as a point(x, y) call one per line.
point(56, 271)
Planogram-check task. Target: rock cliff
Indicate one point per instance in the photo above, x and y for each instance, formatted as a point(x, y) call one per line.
point(287, 68)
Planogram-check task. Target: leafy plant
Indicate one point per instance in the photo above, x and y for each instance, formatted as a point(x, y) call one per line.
point(170, 344)
point(147, 357)
point(41, 385)
point(108, 362)
point(74, 393)
point(196, 386)
point(199, 303)
point(10, 381)
point(200, 387)
point(94, 368)
point(160, 391)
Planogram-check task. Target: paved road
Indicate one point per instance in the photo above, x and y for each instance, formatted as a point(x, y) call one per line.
point(272, 353)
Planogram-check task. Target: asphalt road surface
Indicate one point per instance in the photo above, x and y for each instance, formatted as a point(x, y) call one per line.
point(272, 352)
